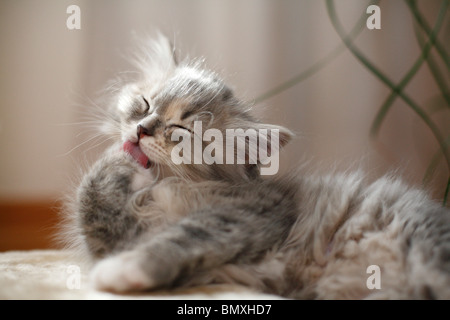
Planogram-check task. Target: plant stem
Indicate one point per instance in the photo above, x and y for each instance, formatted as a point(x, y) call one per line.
point(432, 65)
point(429, 172)
point(424, 25)
point(356, 30)
point(358, 54)
point(410, 74)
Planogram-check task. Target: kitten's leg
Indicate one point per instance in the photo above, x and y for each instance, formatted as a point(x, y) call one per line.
point(211, 238)
point(103, 201)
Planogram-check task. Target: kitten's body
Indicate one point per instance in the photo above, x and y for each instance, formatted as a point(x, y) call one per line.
point(297, 236)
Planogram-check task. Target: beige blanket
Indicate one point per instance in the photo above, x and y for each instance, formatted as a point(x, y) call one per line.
point(53, 274)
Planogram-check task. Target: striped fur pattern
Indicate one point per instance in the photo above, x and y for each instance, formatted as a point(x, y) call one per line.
point(302, 235)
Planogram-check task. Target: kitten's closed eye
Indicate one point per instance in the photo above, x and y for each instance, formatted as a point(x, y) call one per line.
point(179, 126)
point(139, 108)
point(147, 105)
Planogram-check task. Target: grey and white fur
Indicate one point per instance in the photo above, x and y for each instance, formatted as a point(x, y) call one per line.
point(298, 236)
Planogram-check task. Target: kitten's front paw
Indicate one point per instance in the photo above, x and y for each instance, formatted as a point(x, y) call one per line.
point(121, 273)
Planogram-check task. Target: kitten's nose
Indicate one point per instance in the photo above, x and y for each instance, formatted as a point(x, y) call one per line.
point(141, 130)
point(148, 126)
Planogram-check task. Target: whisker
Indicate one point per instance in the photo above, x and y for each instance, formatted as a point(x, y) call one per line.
point(89, 130)
point(100, 143)
point(92, 122)
point(78, 146)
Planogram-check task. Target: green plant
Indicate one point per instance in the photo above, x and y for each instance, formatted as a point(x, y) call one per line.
point(397, 90)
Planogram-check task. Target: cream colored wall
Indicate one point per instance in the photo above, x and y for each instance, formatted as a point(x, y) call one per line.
point(49, 74)
point(41, 68)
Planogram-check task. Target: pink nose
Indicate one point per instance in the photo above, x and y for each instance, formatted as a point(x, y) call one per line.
point(142, 131)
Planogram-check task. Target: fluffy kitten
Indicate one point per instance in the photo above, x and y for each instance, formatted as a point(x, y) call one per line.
point(152, 224)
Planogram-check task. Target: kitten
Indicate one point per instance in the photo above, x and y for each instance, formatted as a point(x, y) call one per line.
point(151, 224)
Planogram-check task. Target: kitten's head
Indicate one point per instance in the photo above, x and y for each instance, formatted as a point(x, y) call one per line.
point(176, 103)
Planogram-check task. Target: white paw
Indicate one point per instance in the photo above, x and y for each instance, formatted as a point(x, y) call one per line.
point(120, 273)
point(141, 179)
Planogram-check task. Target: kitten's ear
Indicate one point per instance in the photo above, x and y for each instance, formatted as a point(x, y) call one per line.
point(156, 58)
point(284, 135)
point(270, 139)
point(267, 141)
point(165, 50)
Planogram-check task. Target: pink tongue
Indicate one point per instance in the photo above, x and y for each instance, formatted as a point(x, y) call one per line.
point(136, 152)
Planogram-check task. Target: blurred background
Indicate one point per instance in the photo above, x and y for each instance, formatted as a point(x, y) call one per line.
point(51, 77)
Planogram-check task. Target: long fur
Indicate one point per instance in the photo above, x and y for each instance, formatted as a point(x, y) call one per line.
point(298, 235)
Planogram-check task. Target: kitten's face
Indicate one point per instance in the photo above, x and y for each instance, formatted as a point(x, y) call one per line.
point(172, 97)
point(150, 113)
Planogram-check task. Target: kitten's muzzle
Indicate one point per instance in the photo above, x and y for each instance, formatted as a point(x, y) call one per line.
point(148, 126)
point(143, 131)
